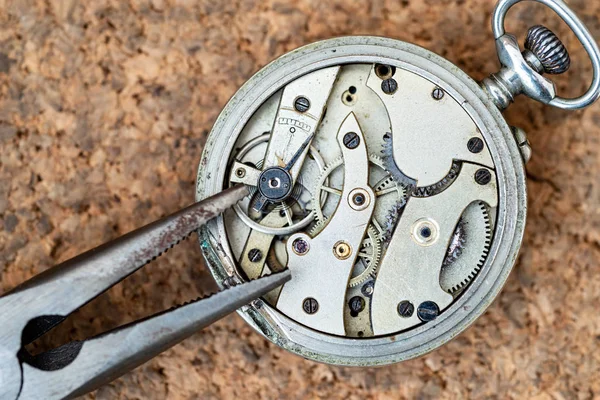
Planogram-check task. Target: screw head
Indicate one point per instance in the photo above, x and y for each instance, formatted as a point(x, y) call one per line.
point(240, 172)
point(406, 309)
point(255, 255)
point(300, 246)
point(367, 288)
point(302, 104)
point(438, 93)
point(357, 304)
point(310, 305)
point(475, 145)
point(389, 86)
point(351, 140)
point(483, 176)
point(428, 311)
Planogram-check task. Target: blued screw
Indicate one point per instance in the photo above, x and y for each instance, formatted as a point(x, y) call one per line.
point(475, 145)
point(351, 140)
point(255, 255)
point(483, 176)
point(302, 104)
point(437, 93)
point(310, 305)
point(389, 86)
point(428, 311)
point(357, 304)
point(405, 309)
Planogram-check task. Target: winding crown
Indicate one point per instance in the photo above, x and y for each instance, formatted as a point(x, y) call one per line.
point(548, 49)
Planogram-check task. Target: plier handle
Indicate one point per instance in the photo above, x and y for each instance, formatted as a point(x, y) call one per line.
point(44, 301)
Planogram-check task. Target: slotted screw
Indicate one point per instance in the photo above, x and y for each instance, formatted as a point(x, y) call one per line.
point(406, 309)
point(310, 305)
point(483, 176)
point(389, 86)
point(302, 104)
point(255, 255)
point(428, 311)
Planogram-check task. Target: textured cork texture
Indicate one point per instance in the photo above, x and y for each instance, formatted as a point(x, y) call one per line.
point(104, 110)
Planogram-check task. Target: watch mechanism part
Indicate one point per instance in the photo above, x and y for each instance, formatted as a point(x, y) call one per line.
point(399, 168)
point(418, 280)
point(368, 258)
point(343, 233)
point(417, 143)
point(468, 248)
point(415, 240)
point(294, 209)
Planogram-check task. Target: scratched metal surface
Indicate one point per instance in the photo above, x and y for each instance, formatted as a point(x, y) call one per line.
point(104, 110)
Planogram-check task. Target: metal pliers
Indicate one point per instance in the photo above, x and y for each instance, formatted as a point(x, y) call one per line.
point(44, 301)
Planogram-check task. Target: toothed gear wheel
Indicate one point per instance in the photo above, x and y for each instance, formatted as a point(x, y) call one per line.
point(318, 196)
point(368, 258)
point(371, 247)
point(387, 184)
point(468, 249)
point(393, 205)
point(317, 227)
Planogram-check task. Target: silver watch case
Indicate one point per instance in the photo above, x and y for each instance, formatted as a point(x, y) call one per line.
point(511, 214)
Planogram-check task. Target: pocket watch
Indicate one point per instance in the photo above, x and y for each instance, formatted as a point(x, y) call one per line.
point(386, 180)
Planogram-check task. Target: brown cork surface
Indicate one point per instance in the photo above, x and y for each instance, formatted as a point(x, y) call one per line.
point(104, 110)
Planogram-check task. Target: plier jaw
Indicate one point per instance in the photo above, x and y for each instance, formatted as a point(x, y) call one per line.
point(47, 299)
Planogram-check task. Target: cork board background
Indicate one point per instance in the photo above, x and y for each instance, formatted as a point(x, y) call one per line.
point(104, 110)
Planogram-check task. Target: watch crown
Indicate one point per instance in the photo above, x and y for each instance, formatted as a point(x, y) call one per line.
point(547, 48)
